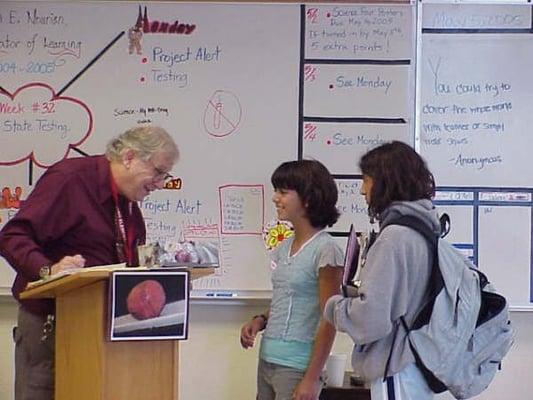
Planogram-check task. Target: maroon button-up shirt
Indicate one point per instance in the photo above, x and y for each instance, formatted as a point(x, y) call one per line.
point(70, 211)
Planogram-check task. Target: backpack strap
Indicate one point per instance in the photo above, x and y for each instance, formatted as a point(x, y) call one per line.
point(390, 352)
point(418, 225)
point(445, 225)
point(435, 282)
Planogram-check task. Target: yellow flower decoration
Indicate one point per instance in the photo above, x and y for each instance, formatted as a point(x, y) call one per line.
point(276, 232)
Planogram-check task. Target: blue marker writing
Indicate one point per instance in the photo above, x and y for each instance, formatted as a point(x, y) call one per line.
point(222, 294)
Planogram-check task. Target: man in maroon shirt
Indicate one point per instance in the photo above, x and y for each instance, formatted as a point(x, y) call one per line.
point(81, 213)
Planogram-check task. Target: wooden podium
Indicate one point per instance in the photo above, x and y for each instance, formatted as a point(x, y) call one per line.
point(90, 367)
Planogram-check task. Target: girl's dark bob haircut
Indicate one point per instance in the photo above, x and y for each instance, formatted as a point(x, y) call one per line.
point(315, 186)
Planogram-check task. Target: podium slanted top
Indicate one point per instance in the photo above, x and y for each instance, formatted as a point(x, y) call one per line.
point(65, 282)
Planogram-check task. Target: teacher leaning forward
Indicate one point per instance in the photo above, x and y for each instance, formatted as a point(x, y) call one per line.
point(82, 212)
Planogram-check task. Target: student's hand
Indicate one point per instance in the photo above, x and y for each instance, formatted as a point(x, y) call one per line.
point(307, 389)
point(68, 262)
point(249, 331)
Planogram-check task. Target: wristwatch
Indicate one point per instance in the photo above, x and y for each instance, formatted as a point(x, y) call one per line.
point(263, 317)
point(45, 271)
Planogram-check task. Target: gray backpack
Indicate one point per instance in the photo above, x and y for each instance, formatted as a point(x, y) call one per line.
point(462, 333)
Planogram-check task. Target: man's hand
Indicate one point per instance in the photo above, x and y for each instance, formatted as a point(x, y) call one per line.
point(68, 262)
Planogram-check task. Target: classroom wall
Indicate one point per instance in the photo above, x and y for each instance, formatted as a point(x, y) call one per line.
point(261, 94)
point(213, 365)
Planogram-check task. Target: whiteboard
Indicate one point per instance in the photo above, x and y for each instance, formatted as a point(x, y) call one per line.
point(472, 122)
point(353, 91)
point(357, 91)
point(253, 85)
point(359, 32)
point(341, 145)
point(236, 85)
point(174, 83)
point(474, 117)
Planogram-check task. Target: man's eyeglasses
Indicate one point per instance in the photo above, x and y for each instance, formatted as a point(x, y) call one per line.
point(159, 174)
point(162, 175)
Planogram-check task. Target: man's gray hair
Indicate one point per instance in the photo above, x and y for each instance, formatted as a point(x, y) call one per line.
point(144, 140)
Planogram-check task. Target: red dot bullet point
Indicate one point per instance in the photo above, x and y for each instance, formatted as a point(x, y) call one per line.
point(328, 141)
point(331, 86)
point(145, 60)
point(142, 78)
point(328, 15)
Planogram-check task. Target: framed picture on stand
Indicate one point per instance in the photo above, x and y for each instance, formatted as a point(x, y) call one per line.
point(149, 305)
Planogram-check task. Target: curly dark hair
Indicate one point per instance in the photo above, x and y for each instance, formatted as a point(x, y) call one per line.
point(398, 174)
point(315, 186)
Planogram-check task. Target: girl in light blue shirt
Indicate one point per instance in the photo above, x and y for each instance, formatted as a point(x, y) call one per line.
point(297, 341)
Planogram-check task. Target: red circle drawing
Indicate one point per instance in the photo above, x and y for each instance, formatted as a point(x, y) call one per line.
point(222, 114)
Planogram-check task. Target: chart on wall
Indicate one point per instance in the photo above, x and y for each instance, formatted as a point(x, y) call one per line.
point(222, 79)
point(241, 87)
point(475, 117)
point(357, 87)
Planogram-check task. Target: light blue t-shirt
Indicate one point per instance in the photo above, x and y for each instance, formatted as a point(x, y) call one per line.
point(294, 310)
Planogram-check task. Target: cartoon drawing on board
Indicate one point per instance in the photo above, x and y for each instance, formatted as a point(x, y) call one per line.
point(135, 35)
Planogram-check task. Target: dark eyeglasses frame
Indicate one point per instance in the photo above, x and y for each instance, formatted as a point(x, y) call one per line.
point(160, 175)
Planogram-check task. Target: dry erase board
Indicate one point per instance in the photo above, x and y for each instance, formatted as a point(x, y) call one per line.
point(475, 121)
point(242, 87)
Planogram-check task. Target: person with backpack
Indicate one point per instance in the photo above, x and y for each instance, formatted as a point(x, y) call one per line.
point(393, 276)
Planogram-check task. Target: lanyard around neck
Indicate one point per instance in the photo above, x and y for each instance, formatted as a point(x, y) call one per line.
point(125, 234)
